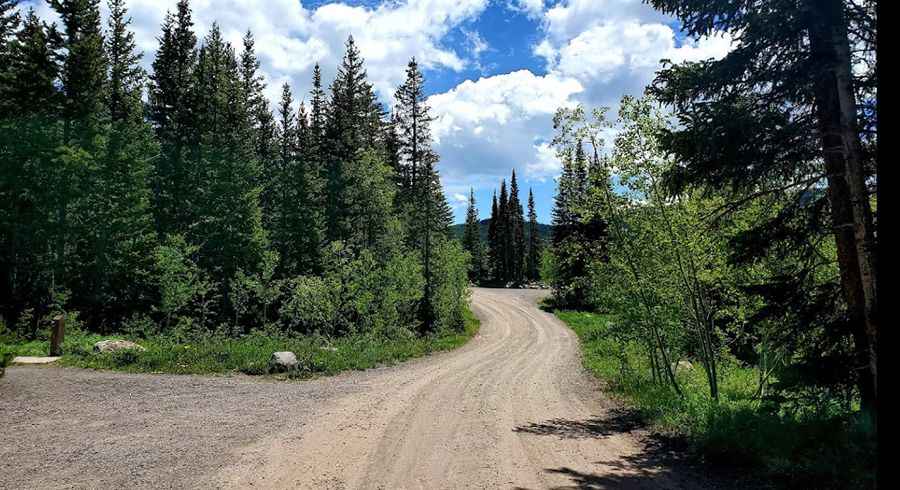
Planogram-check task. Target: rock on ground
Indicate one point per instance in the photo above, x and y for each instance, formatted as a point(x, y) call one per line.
point(115, 345)
point(283, 361)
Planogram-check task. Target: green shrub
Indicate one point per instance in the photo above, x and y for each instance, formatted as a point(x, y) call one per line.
point(797, 449)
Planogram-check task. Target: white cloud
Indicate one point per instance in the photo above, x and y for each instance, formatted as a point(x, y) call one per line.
point(488, 127)
point(533, 8)
point(291, 38)
point(596, 51)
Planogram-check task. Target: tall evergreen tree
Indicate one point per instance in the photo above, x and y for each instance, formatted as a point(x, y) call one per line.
point(229, 222)
point(297, 211)
point(30, 132)
point(472, 242)
point(781, 114)
point(121, 216)
point(353, 120)
point(173, 112)
point(259, 113)
point(494, 247)
point(516, 227)
point(535, 245)
point(427, 213)
point(9, 26)
point(84, 70)
point(504, 236)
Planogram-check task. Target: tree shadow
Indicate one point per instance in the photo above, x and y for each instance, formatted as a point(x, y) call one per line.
point(617, 421)
point(663, 462)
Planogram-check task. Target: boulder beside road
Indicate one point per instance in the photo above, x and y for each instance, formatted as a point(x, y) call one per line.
point(115, 345)
point(282, 362)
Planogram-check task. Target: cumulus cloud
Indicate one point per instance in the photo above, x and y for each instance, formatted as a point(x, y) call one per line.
point(291, 38)
point(490, 126)
point(595, 51)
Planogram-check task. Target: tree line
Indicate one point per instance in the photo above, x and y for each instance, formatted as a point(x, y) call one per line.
point(180, 196)
point(739, 227)
point(512, 253)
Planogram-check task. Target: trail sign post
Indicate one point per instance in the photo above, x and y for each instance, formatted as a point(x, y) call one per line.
point(57, 332)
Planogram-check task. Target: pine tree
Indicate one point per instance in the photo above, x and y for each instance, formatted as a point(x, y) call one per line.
point(30, 133)
point(353, 119)
point(516, 220)
point(9, 26)
point(504, 237)
point(535, 245)
point(84, 70)
point(472, 242)
point(296, 216)
point(229, 221)
point(494, 247)
point(428, 216)
point(789, 103)
point(172, 111)
point(259, 113)
point(124, 234)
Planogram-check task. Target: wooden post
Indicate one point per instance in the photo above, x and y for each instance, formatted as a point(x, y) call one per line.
point(57, 333)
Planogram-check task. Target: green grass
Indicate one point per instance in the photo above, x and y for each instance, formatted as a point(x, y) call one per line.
point(248, 354)
point(737, 430)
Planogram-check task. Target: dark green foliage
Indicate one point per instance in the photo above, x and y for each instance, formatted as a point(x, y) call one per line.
point(204, 211)
point(785, 118)
point(789, 449)
point(513, 244)
point(30, 130)
point(172, 111)
point(420, 198)
point(535, 243)
point(473, 243)
point(579, 230)
point(228, 219)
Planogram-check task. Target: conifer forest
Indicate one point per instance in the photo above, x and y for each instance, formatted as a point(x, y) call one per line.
point(442, 244)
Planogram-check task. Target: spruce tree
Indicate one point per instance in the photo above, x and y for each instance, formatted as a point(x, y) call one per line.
point(517, 246)
point(504, 236)
point(30, 133)
point(172, 111)
point(124, 235)
point(297, 212)
point(229, 221)
point(494, 256)
point(533, 258)
point(9, 26)
point(428, 216)
point(259, 113)
point(789, 105)
point(84, 70)
point(353, 117)
point(79, 195)
point(472, 242)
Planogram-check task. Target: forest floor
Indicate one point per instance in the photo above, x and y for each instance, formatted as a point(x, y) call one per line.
point(513, 408)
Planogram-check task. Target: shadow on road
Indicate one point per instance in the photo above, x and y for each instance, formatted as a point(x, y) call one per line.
point(664, 462)
point(617, 422)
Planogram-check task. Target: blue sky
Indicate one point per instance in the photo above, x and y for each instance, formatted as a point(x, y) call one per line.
point(496, 70)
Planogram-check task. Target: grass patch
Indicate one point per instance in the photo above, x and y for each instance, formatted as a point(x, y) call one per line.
point(248, 354)
point(794, 450)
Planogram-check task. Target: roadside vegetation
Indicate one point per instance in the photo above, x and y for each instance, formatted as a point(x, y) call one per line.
point(223, 353)
point(716, 257)
point(178, 209)
point(813, 447)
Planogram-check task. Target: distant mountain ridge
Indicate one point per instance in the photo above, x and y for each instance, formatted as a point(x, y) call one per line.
point(458, 230)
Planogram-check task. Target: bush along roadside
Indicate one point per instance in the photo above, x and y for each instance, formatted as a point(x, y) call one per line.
point(809, 448)
point(218, 353)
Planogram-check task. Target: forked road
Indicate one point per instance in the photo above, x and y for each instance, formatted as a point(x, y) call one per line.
point(511, 409)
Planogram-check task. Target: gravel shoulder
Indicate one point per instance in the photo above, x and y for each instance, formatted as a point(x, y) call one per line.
point(513, 408)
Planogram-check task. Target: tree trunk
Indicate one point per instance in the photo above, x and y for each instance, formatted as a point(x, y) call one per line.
point(848, 194)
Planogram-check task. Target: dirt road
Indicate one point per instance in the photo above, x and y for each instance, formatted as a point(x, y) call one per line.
point(511, 409)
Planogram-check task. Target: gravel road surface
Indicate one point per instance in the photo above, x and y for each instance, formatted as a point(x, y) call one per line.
point(511, 409)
